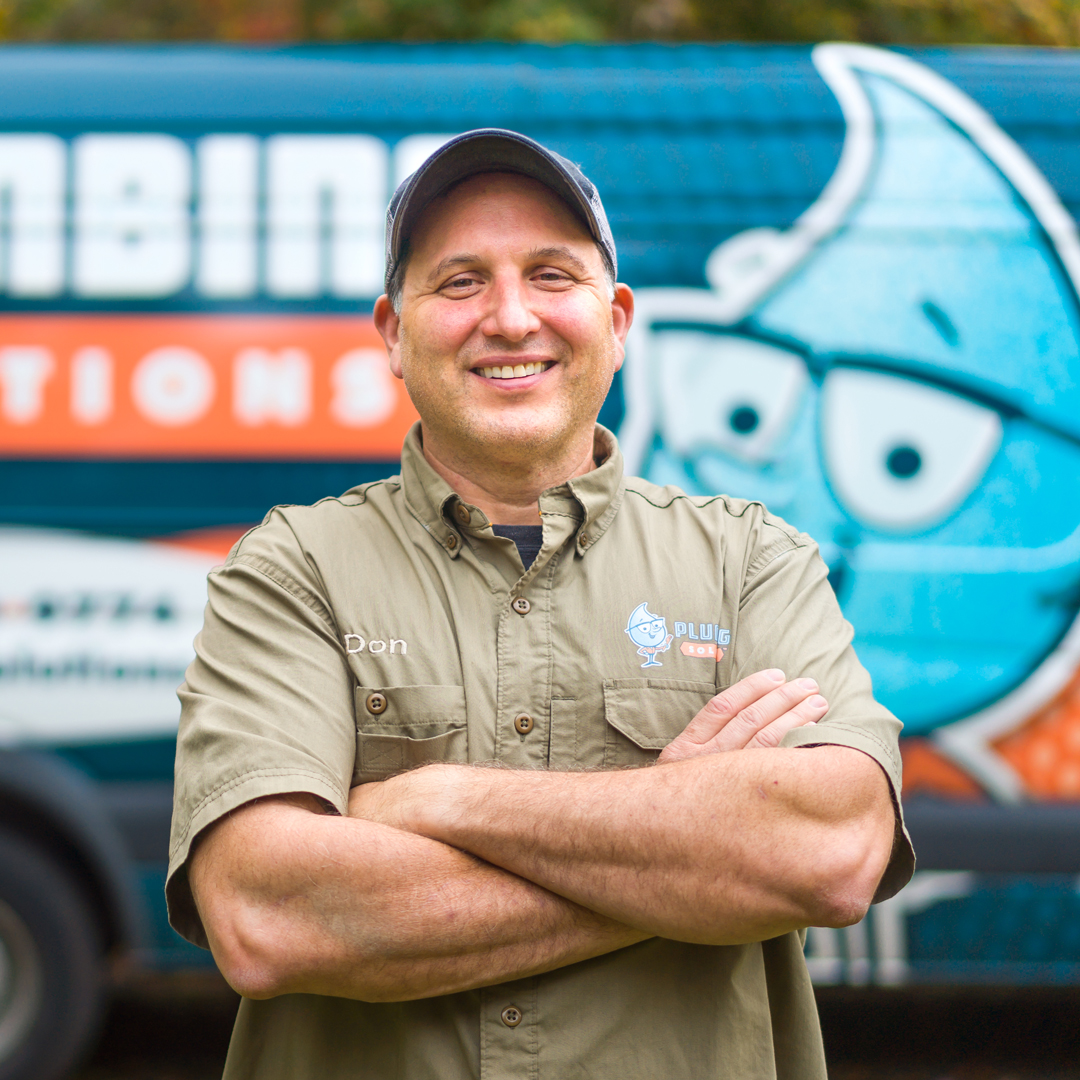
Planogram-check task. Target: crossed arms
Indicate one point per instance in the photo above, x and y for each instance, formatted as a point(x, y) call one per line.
point(452, 877)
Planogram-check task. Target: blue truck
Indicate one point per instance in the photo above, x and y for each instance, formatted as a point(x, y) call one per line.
point(856, 273)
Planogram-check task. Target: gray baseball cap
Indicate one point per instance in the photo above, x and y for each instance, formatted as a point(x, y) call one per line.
point(493, 150)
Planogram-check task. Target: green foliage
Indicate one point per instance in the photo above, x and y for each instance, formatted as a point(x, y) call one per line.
point(1020, 22)
point(455, 20)
point(1028, 22)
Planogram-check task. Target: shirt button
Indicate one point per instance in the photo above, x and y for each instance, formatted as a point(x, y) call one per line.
point(521, 606)
point(451, 541)
point(584, 540)
point(463, 514)
point(523, 724)
point(376, 703)
point(511, 1016)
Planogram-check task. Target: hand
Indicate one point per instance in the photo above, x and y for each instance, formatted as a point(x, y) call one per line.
point(403, 800)
point(757, 712)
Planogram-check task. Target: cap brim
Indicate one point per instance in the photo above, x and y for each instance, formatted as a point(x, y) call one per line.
point(482, 151)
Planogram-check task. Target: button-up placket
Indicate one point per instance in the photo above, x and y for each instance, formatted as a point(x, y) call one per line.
point(510, 1030)
point(524, 649)
point(573, 516)
point(522, 602)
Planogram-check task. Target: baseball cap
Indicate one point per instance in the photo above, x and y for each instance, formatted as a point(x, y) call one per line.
point(493, 150)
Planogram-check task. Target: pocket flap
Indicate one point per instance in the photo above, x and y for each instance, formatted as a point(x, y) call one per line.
point(652, 712)
point(422, 710)
point(379, 755)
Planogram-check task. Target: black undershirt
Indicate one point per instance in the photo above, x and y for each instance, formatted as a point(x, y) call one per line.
point(529, 540)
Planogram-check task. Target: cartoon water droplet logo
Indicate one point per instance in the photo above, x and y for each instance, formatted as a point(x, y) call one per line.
point(898, 374)
point(649, 633)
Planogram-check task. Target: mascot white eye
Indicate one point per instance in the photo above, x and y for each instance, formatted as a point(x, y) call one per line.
point(902, 455)
point(726, 393)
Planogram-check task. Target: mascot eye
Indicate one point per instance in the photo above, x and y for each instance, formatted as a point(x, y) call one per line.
point(902, 455)
point(727, 393)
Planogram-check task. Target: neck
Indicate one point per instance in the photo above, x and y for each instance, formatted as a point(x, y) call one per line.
point(508, 491)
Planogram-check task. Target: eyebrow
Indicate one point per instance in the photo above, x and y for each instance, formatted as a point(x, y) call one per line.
point(558, 252)
point(464, 258)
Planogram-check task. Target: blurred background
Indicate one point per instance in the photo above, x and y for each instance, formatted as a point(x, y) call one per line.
point(857, 271)
point(912, 22)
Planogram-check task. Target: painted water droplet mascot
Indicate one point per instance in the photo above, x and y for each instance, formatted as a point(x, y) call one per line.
point(898, 374)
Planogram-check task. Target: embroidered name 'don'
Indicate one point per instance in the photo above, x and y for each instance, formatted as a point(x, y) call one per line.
point(356, 643)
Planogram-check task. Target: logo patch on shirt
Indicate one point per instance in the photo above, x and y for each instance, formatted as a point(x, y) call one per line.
point(649, 633)
point(706, 641)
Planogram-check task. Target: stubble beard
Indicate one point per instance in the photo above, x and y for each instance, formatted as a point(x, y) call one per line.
point(519, 436)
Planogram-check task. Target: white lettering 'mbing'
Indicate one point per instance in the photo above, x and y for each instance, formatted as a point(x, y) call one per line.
point(231, 215)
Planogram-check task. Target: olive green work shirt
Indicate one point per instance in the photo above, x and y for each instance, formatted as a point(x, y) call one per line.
point(390, 627)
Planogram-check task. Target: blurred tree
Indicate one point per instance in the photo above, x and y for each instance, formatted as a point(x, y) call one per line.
point(150, 20)
point(1028, 22)
point(1019, 22)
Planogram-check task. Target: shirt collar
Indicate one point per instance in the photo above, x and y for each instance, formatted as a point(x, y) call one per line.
point(592, 499)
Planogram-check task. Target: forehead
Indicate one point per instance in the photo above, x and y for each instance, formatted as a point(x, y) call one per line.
point(503, 209)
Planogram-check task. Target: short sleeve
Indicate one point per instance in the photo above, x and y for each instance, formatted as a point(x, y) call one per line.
point(789, 618)
point(266, 705)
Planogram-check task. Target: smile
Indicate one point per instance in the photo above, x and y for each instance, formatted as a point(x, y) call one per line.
point(517, 371)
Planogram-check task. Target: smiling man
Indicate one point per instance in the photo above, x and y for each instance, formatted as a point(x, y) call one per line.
point(622, 898)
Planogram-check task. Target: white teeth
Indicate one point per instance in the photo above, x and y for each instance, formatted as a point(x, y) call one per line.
point(518, 371)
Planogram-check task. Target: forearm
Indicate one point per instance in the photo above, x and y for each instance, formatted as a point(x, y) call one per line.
point(311, 903)
point(719, 849)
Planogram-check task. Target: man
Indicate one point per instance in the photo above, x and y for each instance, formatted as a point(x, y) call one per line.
point(564, 915)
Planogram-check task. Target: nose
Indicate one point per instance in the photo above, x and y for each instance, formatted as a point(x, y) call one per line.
point(510, 315)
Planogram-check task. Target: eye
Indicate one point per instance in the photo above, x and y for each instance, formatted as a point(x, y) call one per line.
point(727, 393)
point(551, 277)
point(903, 455)
point(461, 282)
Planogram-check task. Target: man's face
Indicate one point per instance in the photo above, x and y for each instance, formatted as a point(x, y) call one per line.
point(507, 337)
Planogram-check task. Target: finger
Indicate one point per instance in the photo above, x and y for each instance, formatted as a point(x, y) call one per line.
point(726, 705)
point(806, 712)
point(701, 734)
point(760, 714)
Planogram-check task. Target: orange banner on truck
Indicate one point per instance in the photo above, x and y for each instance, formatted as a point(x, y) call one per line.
point(198, 386)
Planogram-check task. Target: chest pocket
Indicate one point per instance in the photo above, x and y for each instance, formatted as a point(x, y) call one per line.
point(643, 715)
point(400, 727)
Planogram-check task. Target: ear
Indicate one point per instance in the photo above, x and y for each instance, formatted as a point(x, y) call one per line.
point(388, 324)
point(622, 315)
